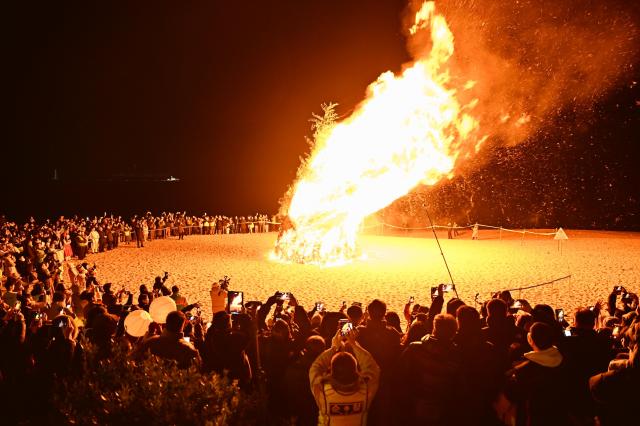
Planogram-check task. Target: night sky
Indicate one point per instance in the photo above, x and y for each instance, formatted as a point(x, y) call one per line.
point(219, 94)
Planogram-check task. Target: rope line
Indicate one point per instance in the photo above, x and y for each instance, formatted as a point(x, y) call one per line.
point(523, 231)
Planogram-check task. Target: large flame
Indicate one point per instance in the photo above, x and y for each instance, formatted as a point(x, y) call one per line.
point(411, 129)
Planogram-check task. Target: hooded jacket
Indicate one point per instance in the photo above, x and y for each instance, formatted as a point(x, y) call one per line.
point(340, 404)
point(537, 386)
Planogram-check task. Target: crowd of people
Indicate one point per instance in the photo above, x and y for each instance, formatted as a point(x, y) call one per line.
point(452, 364)
point(77, 237)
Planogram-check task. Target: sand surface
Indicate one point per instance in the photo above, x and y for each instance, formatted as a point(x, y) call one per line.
point(396, 268)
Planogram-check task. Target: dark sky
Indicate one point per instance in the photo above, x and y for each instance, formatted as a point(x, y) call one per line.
point(218, 93)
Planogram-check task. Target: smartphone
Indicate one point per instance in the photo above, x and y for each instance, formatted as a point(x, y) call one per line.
point(517, 304)
point(617, 289)
point(236, 301)
point(434, 292)
point(192, 317)
point(560, 315)
point(187, 339)
point(616, 331)
point(411, 299)
point(446, 288)
point(346, 328)
point(567, 332)
point(319, 306)
point(284, 295)
point(341, 323)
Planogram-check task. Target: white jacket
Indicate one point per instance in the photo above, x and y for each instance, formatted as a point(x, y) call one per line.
point(344, 406)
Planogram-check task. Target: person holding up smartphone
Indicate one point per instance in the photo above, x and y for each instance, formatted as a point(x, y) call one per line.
point(218, 295)
point(628, 301)
point(343, 384)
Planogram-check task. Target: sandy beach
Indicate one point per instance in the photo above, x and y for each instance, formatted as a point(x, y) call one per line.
point(395, 268)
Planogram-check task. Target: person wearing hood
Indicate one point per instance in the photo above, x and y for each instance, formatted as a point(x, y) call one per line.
point(344, 384)
point(537, 385)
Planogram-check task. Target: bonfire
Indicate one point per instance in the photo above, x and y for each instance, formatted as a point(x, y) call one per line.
point(411, 129)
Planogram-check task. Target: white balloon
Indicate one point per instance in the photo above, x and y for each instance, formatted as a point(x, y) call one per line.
point(137, 323)
point(160, 308)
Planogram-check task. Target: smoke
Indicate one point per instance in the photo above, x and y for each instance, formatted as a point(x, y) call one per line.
point(532, 59)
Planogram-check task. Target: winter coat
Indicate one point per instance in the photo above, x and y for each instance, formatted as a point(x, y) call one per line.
point(538, 386)
point(344, 404)
point(171, 345)
point(430, 384)
point(300, 399)
point(585, 353)
point(616, 393)
point(224, 350)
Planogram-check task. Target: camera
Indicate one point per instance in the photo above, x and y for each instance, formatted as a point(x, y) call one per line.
point(446, 288)
point(560, 315)
point(567, 333)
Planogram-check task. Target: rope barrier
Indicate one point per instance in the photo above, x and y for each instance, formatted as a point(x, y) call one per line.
point(527, 287)
point(540, 284)
point(524, 231)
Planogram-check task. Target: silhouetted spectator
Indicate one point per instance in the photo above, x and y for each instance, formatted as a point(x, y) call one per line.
point(537, 386)
point(300, 399)
point(430, 384)
point(171, 344)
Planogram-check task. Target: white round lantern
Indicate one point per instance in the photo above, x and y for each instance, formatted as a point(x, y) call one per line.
point(137, 323)
point(160, 308)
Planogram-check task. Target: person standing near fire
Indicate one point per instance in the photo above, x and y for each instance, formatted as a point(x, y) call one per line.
point(474, 232)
